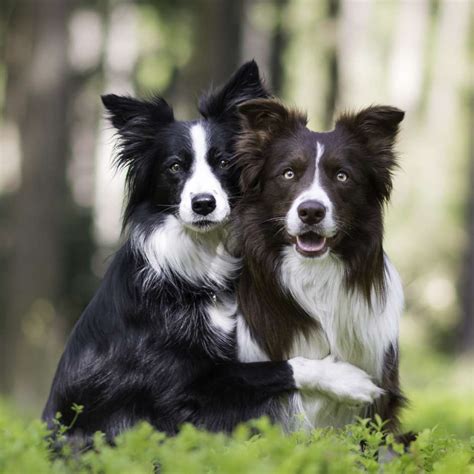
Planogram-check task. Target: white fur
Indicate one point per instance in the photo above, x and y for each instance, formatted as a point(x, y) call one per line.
point(197, 258)
point(316, 192)
point(202, 180)
point(356, 336)
point(355, 333)
point(222, 315)
point(248, 349)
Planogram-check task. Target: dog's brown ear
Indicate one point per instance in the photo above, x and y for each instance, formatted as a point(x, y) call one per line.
point(376, 128)
point(377, 125)
point(262, 120)
point(267, 116)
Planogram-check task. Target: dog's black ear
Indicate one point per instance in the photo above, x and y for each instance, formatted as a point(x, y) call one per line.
point(137, 122)
point(261, 120)
point(244, 84)
point(376, 128)
point(132, 112)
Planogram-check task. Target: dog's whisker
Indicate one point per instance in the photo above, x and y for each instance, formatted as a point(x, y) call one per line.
point(274, 219)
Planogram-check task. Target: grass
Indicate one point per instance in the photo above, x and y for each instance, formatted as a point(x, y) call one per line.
point(442, 399)
point(23, 449)
point(440, 389)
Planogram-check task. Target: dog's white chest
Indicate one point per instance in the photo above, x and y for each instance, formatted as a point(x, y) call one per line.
point(349, 330)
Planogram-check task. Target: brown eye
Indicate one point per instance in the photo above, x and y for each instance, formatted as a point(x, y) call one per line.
point(342, 176)
point(224, 164)
point(175, 168)
point(289, 174)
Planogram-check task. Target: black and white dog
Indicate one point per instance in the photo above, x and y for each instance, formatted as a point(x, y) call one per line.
point(157, 342)
point(316, 281)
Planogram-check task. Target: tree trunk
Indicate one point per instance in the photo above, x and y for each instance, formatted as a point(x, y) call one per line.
point(263, 38)
point(119, 64)
point(37, 101)
point(217, 26)
point(310, 59)
point(466, 332)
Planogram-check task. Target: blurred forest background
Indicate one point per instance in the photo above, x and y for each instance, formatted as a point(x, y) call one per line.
point(60, 201)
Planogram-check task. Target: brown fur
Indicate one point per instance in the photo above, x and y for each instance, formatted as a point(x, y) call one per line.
point(274, 136)
point(270, 325)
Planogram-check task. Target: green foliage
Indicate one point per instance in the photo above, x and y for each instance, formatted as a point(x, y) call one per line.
point(257, 447)
point(450, 411)
point(439, 389)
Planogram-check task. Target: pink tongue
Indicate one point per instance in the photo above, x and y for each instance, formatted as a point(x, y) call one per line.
point(310, 242)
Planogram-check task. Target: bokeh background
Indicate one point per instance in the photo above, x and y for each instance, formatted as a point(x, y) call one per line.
point(61, 202)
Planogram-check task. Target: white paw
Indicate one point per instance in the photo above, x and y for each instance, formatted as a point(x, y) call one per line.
point(338, 380)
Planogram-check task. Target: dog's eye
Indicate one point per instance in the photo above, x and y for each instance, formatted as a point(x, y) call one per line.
point(175, 168)
point(224, 164)
point(342, 176)
point(289, 174)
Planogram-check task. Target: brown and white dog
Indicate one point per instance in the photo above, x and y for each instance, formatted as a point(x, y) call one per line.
point(316, 282)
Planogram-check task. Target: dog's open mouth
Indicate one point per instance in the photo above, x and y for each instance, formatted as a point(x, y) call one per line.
point(311, 244)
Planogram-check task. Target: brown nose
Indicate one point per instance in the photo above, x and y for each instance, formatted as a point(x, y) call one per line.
point(311, 212)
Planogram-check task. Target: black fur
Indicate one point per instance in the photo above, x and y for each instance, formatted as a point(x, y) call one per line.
point(144, 348)
point(223, 102)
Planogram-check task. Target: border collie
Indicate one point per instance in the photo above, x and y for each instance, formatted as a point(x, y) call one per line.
point(157, 342)
point(315, 280)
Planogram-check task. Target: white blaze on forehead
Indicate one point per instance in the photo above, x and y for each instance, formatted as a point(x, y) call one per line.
point(315, 192)
point(319, 154)
point(198, 138)
point(202, 180)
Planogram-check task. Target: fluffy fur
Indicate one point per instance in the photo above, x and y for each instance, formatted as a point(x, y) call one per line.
point(157, 342)
point(315, 279)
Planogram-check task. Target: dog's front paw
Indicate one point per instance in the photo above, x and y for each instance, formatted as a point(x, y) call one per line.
point(306, 372)
point(348, 384)
point(338, 380)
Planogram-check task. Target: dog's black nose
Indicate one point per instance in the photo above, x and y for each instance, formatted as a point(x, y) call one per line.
point(203, 204)
point(311, 212)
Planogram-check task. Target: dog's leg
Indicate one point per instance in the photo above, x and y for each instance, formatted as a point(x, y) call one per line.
point(234, 392)
point(269, 377)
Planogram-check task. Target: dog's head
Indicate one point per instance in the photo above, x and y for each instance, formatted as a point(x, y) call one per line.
point(182, 168)
point(319, 193)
